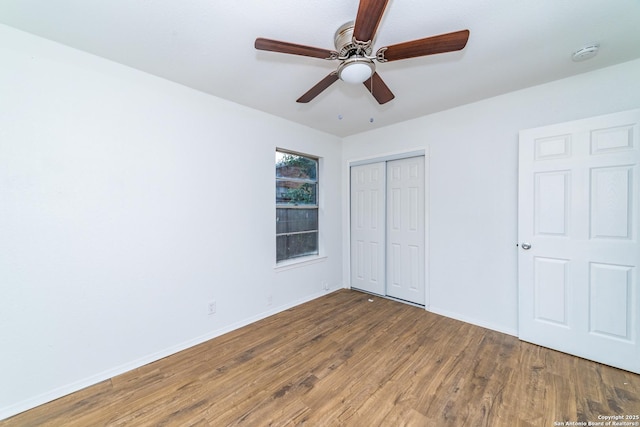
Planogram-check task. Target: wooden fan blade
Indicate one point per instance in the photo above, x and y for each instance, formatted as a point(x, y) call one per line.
point(294, 49)
point(318, 88)
point(379, 89)
point(368, 17)
point(428, 46)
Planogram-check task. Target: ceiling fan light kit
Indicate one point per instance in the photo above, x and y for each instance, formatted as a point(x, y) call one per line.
point(353, 42)
point(356, 69)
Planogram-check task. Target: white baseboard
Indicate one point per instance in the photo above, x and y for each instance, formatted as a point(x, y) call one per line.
point(471, 320)
point(463, 318)
point(59, 392)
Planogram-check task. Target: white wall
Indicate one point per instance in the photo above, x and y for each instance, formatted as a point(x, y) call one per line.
point(127, 203)
point(473, 183)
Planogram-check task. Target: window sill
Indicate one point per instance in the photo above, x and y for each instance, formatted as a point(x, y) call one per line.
point(299, 262)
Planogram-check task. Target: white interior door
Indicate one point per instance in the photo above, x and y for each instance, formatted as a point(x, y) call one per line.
point(405, 229)
point(388, 228)
point(579, 290)
point(368, 227)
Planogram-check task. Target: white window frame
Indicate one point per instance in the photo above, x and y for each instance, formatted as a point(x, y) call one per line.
point(320, 255)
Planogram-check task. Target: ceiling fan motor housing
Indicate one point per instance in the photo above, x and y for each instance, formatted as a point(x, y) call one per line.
point(347, 46)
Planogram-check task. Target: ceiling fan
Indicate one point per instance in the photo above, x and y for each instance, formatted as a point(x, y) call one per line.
point(353, 42)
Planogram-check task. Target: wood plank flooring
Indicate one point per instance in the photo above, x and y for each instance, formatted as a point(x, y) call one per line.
point(342, 360)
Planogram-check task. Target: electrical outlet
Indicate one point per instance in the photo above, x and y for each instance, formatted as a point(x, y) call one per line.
point(270, 300)
point(325, 286)
point(211, 308)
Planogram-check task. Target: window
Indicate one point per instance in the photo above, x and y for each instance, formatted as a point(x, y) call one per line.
point(296, 205)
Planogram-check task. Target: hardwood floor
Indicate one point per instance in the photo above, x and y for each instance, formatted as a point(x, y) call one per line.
point(342, 360)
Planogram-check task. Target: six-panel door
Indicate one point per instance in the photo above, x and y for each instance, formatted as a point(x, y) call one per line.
point(579, 191)
point(388, 228)
point(405, 229)
point(368, 185)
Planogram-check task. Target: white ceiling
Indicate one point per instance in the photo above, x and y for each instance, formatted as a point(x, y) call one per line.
point(208, 45)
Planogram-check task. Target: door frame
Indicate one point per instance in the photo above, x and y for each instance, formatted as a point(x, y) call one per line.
point(386, 157)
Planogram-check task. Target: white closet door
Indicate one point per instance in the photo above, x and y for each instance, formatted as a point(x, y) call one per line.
point(578, 226)
point(406, 229)
point(368, 227)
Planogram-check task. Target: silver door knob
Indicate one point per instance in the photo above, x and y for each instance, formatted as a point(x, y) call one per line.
point(526, 246)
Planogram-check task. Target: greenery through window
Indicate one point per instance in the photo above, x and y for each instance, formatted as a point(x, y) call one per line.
point(296, 205)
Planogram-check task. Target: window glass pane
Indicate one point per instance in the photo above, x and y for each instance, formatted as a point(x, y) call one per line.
point(296, 245)
point(295, 220)
point(296, 193)
point(294, 166)
point(296, 205)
